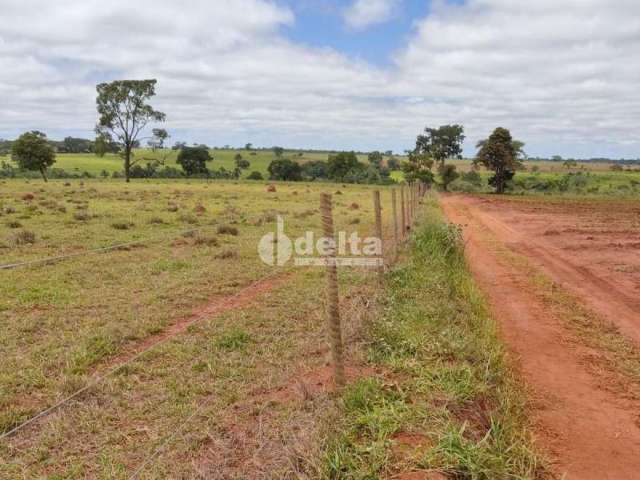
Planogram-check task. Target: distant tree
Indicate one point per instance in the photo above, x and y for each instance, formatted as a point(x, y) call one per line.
point(32, 151)
point(156, 142)
point(501, 154)
point(556, 158)
point(418, 168)
point(285, 169)
point(315, 170)
point(76, 145)
point(101, 145)
point(241, 163)
point(278, 151)
point(393, 163)
point(375, 160)
point(255, 176)
point(448, 173)
point(193, 160)
point(248, 146)
point(569, 164)
point(124, 113)
point(441, 143)
point(179, 145)
point(616, 167)
point(341, 164)
point(389, 153)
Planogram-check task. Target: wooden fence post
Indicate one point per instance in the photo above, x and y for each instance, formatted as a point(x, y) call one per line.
point(378, 211)
point(333, 301)
point(403, 214)
point(396, 239)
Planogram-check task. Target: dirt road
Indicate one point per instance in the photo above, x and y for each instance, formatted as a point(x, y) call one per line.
point(590, 430)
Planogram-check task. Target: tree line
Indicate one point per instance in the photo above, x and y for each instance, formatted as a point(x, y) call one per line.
point(125, 113)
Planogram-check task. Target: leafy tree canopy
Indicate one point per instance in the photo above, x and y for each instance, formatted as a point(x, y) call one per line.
point(193, 160)
point(441, 143)
point(341, 164)
point(285, 169)
point(32, 151)
point(501, 154)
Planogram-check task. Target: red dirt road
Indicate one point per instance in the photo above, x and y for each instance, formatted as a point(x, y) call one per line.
point(593, 252)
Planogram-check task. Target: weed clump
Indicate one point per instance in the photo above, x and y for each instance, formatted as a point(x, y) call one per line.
point(24, 237)
point(81, 216)
point(14, 224)
point(228, 230)
point(227, 255)
point(122, 225)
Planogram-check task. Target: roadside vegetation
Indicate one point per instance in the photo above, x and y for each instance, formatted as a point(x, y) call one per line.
point(449, 403)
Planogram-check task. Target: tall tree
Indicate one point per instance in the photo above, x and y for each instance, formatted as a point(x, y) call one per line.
point(341, 164)
point(124, 112)
point(501, 154)
point(375, 159)
point(32, 151)
point(441, 143)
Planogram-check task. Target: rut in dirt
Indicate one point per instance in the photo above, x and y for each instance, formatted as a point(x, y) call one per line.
point(590, 431)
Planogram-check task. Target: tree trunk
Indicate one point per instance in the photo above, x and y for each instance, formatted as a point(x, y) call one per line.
point(43, 173)
point(127, 162)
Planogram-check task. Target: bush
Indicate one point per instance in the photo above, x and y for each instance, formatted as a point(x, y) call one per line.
point(255, 176)
point(81, 216)
point(122, 225)
point(14, 224)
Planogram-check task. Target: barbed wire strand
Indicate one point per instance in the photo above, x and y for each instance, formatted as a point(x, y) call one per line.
point(119, 367)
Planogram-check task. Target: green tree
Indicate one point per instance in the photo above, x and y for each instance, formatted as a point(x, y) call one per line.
point(315, 170)
point(241, 163)
point(193, 160)
point(285, 169)
point(124, 112)
point(375, 160)
point(501, 154)
point(32, 151)
point(418, 168)
point(278, 151)
point(448, 173)
point(393, 163)
point(441, 143)
point(569, 164)
point(248, 147)
point(340, 165)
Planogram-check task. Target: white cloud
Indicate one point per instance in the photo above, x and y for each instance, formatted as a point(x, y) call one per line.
point(364, 13)
point(562, 75)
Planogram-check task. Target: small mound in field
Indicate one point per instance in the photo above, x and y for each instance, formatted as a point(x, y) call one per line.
point(355, 221)
point(14, 224)
point(156, 221)
point(354, 206)
point(28, 197)
point(190, 219)
point(338, 193)
point(551, 233)
point(227, 255)
point(172, 207)
point(228, 230)
point(81, 216)
point(271, 188)
point(9, 210)
point(206, 240)
point(199, 209)
point(122, 225)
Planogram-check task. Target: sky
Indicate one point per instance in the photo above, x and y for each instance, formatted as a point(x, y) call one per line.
point(563, 76)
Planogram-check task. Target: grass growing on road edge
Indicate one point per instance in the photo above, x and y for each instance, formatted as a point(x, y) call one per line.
point(452, 405)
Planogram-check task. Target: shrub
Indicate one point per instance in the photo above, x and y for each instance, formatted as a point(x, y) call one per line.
point(187, 218)
point(14, 224)
point(206, 240)
point(156, 221)
point(255, 176)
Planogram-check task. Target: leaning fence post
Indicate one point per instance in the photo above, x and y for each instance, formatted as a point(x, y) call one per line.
point(378, 211)
point(333, 306)
point(403, 213)
point(394, 207)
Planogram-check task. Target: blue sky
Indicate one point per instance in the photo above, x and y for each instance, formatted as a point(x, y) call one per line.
point(321, 24)
point(329, 74)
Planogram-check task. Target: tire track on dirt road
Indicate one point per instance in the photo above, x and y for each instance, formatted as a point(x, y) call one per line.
point(590, 432)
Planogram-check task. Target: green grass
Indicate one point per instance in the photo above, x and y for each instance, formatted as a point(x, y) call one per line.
point(448, 382)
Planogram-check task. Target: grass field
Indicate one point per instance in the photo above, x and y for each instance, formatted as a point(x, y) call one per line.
point(216, 374)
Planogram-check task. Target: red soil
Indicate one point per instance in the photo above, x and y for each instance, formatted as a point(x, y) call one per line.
point(590, 250)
